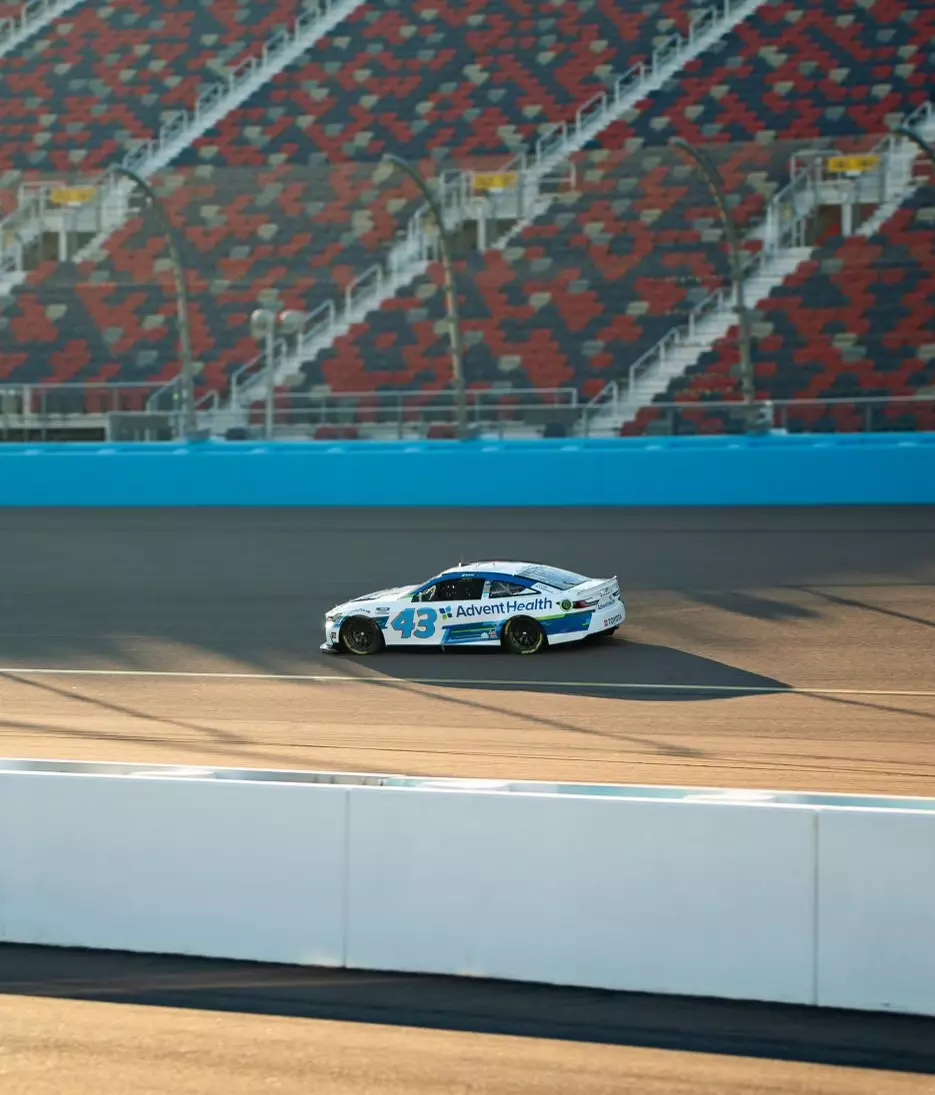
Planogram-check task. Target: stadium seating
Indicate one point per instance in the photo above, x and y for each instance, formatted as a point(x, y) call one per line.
point(596, 281)
point(828, 68)
point(105, 75)
point(276, 195)
point(307, 233)
point(854, 322)
point(441, 79)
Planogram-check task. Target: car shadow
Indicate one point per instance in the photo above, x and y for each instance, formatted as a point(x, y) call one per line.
point(617, 668)
point(480, 681)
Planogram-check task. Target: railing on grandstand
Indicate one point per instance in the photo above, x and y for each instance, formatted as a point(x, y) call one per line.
point(76, 399)
point(111, 203)
point(459, 199)
point(41, 412)
point(13, 27)
point(783, 229)
point(98, 411)
point(419, 414)
point(537, 172)
point(863, 414)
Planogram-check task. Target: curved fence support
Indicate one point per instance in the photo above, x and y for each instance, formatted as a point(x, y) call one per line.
point(716, 185)
point(189, 425)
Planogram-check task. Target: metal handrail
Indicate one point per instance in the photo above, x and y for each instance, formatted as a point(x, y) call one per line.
point(778, 236)
point(414, 413)
point(777, 410)
point(817, 401)
point(430, 396)
point(150, 154)
point(456, 196)
point(533, 168)
point(33, 16)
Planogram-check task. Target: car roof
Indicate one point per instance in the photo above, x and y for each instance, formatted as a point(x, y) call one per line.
point(497, 566)
point(544, 573)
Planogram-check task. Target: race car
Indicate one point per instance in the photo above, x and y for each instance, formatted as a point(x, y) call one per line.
point(521, 607)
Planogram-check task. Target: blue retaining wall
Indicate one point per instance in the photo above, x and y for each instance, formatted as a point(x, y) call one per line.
point(689, 471)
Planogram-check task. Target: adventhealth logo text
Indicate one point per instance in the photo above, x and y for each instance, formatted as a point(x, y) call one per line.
point(504, 608)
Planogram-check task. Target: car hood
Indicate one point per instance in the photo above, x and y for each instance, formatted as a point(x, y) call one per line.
point(384, 596)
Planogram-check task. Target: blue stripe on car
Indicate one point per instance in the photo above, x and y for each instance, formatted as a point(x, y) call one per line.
point(566, 625)
point(466, 633)
point(558, 625)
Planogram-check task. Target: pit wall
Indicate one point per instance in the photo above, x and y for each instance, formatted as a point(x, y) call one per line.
point(689, 471)
point(816, 900)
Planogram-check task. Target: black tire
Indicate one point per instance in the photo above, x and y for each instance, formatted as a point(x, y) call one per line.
point(361, 636)
point(523, 635)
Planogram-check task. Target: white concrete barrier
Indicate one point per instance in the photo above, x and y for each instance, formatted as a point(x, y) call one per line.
point(813, 899)
point(876, 910)
point(174, 865)
point(609, 893)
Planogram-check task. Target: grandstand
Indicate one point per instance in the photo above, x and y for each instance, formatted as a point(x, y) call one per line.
point(594, 288)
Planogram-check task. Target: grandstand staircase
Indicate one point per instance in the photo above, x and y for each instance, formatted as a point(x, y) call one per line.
point(782, 236)
point(94, 221)
point(531, 179)
point(35, 16)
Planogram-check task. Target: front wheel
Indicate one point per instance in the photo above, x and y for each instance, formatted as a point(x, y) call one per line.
point(361, 636)
point(523, 635)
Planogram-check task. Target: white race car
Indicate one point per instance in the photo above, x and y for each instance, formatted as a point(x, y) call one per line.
point(522, 607)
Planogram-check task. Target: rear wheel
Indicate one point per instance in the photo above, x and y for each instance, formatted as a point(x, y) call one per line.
point(523, 635)
point(361, 636)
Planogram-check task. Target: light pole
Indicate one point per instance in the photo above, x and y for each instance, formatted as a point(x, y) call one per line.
point(265, 325)
point(713, 178)
point(451, 294)
point(189, 423)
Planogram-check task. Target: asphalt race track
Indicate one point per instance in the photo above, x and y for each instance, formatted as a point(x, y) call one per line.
point(780, 649)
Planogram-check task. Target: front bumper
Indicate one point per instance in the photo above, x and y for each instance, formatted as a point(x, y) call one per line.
point(332, 641)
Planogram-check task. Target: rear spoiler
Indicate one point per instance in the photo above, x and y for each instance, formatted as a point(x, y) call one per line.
point(592, 598)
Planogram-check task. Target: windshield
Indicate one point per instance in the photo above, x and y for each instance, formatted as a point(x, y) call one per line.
point(553, 576)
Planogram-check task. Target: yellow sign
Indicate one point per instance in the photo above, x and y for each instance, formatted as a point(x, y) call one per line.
point(73, 195)
point(852, 165)
point(484, 183)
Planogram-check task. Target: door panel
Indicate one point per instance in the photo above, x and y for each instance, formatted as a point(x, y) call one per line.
point(423, 622)
point(414, 624)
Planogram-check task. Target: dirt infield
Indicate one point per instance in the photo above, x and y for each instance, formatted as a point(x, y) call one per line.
point(789, 649)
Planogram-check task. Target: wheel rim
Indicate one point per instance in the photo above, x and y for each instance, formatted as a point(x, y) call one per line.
point(525, 635)
point(359, 636)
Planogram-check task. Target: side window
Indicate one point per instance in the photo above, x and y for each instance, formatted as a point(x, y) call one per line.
point(459, 589)
point(506, 589)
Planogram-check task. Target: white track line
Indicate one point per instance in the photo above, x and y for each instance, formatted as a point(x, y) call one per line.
point(453, 682)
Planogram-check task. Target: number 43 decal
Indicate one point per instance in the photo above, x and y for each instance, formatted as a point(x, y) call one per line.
point(408, 626)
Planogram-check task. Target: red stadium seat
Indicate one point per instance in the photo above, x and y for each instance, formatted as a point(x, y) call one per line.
point(857, 324)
